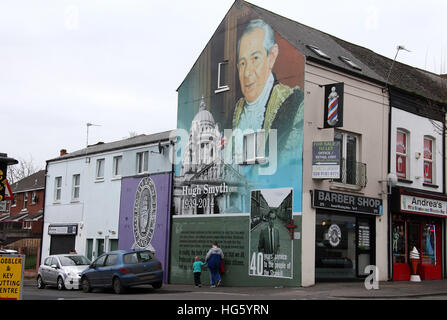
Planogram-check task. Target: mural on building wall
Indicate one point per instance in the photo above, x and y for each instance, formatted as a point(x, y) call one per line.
point(270, 247)
point(144, 215)
point(240, 125)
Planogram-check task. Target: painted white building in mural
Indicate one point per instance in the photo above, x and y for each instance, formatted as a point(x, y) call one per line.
point(83, 189)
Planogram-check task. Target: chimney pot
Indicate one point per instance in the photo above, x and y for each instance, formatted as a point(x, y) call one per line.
point(63, 152)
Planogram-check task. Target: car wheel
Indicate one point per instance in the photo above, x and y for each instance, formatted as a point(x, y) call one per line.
point(60, 284)
point(157, 285)
point(86, 285)
point(117, 286)
point(40, 283)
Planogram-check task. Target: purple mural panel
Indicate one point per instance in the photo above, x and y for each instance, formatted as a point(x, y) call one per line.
point(144, 215)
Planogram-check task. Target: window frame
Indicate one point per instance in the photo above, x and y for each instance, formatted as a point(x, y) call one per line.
point(100, 168)
point(402, 155)
point(344, 156)
point(57, 189)
point(430, 161)
point(76, 187)
point(142, 158)
point(25, 200)
point(257, 146)
point(117, 166)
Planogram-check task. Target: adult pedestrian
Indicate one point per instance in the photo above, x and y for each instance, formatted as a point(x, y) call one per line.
point(214, 258)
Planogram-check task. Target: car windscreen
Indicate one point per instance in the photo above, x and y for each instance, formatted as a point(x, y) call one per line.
point(137, 257)
point(74, 261)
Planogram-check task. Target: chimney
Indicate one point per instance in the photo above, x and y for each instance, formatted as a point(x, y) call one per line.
point(63, 152)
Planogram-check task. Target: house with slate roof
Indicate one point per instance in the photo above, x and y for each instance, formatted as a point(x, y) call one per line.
point(108, 196)
point(308, 123)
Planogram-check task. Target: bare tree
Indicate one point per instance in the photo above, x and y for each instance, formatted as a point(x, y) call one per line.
point(22, 170)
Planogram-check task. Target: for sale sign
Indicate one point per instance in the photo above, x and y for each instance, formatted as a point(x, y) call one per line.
point(11, 276)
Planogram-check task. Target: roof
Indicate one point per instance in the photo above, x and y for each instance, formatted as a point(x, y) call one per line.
point(35, 181)
point(117, 145)
point(373, 66)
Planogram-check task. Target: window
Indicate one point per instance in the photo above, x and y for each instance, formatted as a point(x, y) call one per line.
point(100, 261)
point(76, 186)
point(89, 248)
point(13, 201)
point(25, 200)
point(34, 197)
point(254, 147)
point(57, 188)
point(142, 162)
point(99, 246)
point(221, 77)
point(401, 154)
point(117, 166)
point(319, 52)
point(100, 169)
point(111, 260)
point(351, 170)
point(350, 63)
point(428, 160)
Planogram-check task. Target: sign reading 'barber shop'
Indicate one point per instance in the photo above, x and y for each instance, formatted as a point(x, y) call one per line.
point(347, 202)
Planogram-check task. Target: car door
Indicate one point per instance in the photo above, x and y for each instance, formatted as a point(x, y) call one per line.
point(109, 269)
point(45, 269)
point(95, 276)
point(53, 271)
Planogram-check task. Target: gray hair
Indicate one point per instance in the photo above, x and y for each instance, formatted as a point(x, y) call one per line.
point(269, 39)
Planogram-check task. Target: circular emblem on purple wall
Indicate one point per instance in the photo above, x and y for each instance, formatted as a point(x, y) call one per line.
point(144, 214)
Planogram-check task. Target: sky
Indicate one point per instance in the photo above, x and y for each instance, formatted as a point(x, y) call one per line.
point(118, 64)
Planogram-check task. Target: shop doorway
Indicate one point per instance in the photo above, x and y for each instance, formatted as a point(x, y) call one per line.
point(423, 233)
point(345, 245)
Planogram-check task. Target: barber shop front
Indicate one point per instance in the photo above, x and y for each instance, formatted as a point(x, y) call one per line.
point(345, 235)
point(418, 221)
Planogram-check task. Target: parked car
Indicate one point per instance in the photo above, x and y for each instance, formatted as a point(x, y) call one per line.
point(62, 270)
point(122, 269)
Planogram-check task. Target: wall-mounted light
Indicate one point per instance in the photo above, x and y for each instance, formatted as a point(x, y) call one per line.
point(418, 155)
point(99, 232)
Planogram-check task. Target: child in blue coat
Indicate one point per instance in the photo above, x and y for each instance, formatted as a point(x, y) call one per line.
point(197, 268)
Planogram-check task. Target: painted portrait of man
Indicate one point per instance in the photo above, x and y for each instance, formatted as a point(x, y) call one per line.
point(266, 102)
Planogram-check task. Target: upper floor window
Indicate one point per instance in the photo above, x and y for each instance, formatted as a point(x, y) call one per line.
point(352, 171)
point(401, 154)
point(25, 200)
point(34, 197)
point(428, 160)
point(100, 169)
point(142, 162)
point(254, 147)
point(76, 186)
point(117, 166)
point(57, 188)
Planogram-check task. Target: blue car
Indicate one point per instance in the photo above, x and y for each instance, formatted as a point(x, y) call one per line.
point(122, 269)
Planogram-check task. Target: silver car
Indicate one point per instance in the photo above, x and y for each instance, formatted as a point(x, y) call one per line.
point(62, 270)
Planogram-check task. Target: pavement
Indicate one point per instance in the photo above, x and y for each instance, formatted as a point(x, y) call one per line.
point(332, 290)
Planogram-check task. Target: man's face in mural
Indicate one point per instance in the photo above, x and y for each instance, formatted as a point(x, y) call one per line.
point(254, 63)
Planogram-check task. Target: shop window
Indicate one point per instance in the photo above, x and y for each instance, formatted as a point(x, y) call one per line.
point(428, 160)
point(401, 154)
point(335, 246)
point(429, 244)
point(399, 247)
